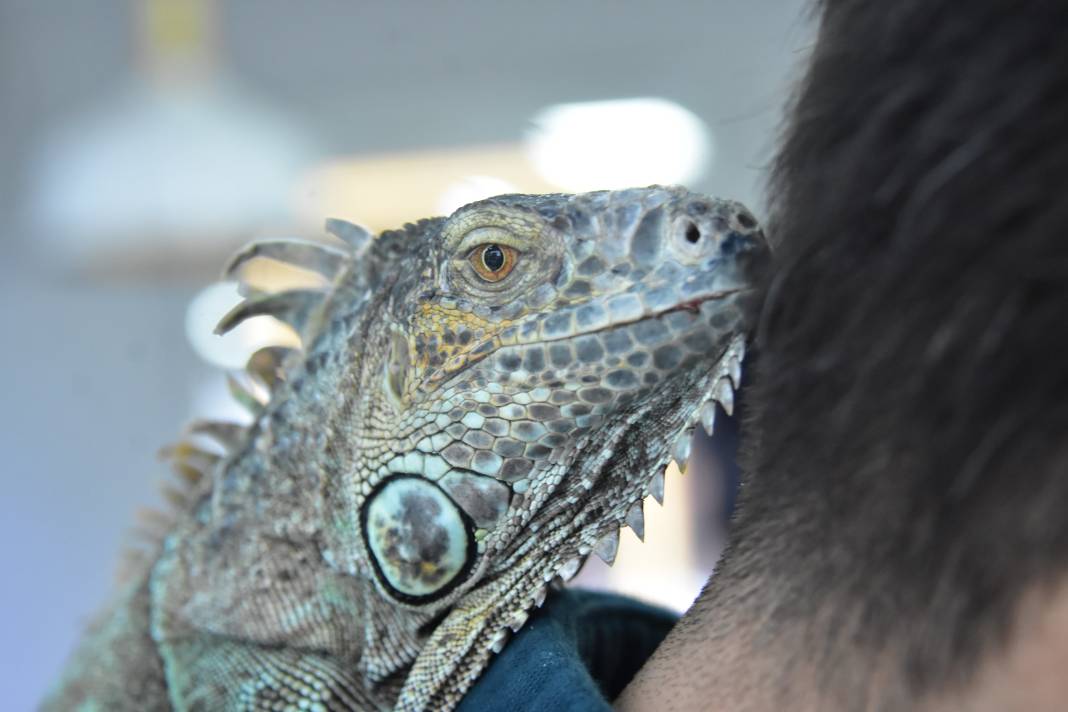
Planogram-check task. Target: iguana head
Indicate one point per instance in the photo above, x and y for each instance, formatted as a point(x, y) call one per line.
point(499, 390)
point(527, 367)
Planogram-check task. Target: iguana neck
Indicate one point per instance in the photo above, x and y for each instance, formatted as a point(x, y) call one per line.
point(298, 441)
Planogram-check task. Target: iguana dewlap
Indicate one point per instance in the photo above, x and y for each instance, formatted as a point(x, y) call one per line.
point(481, 402)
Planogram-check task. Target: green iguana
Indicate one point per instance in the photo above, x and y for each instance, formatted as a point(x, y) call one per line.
point(481, 402)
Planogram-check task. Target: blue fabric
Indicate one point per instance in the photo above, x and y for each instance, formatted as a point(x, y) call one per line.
point(577, 652)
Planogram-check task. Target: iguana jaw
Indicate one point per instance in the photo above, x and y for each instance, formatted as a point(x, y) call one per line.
point(690, 306)
point(675, 415)
point(500, 606)
point(607, 495)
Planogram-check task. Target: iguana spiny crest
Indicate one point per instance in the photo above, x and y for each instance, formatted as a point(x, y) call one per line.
point(483, 400)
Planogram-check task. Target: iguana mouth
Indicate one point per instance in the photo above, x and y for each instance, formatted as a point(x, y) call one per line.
point(694, 305)
point(691, 306)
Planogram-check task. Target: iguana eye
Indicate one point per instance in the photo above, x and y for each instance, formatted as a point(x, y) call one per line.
point(493, 262)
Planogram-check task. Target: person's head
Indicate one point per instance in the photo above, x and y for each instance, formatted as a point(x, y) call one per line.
point(902, 533)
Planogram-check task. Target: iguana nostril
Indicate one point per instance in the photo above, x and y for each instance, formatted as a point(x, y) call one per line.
point(693, 234)
point(746, 220)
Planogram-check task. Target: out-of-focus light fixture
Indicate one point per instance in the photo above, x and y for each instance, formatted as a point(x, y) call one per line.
point(231, 350)
point(618, 144)
point(178, 161)
point(193, 164)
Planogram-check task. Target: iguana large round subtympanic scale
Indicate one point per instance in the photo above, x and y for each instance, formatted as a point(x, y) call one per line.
point(482, 401)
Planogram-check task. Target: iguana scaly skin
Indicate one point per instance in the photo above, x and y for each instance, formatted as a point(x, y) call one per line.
point(482, 401)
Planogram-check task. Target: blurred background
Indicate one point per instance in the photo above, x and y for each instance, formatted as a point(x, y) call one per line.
point(141, 142)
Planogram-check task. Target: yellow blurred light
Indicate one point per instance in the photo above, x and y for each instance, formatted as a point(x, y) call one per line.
point(384, 191)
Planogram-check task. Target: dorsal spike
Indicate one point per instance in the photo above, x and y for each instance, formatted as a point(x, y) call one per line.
point(189, 474)
point(313, 256)
point(189, 453)
point(265, 365)
point(293, 307)
point(228, 435)
point(175, 497)
point(636, 519)
point(151, 525)
point(355, 236)
point(188, 461)
point(252, 403)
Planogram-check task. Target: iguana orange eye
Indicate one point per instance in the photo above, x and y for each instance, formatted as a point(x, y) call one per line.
point(493, 262)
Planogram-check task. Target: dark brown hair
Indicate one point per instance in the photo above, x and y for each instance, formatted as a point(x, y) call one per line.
point(906, 465)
